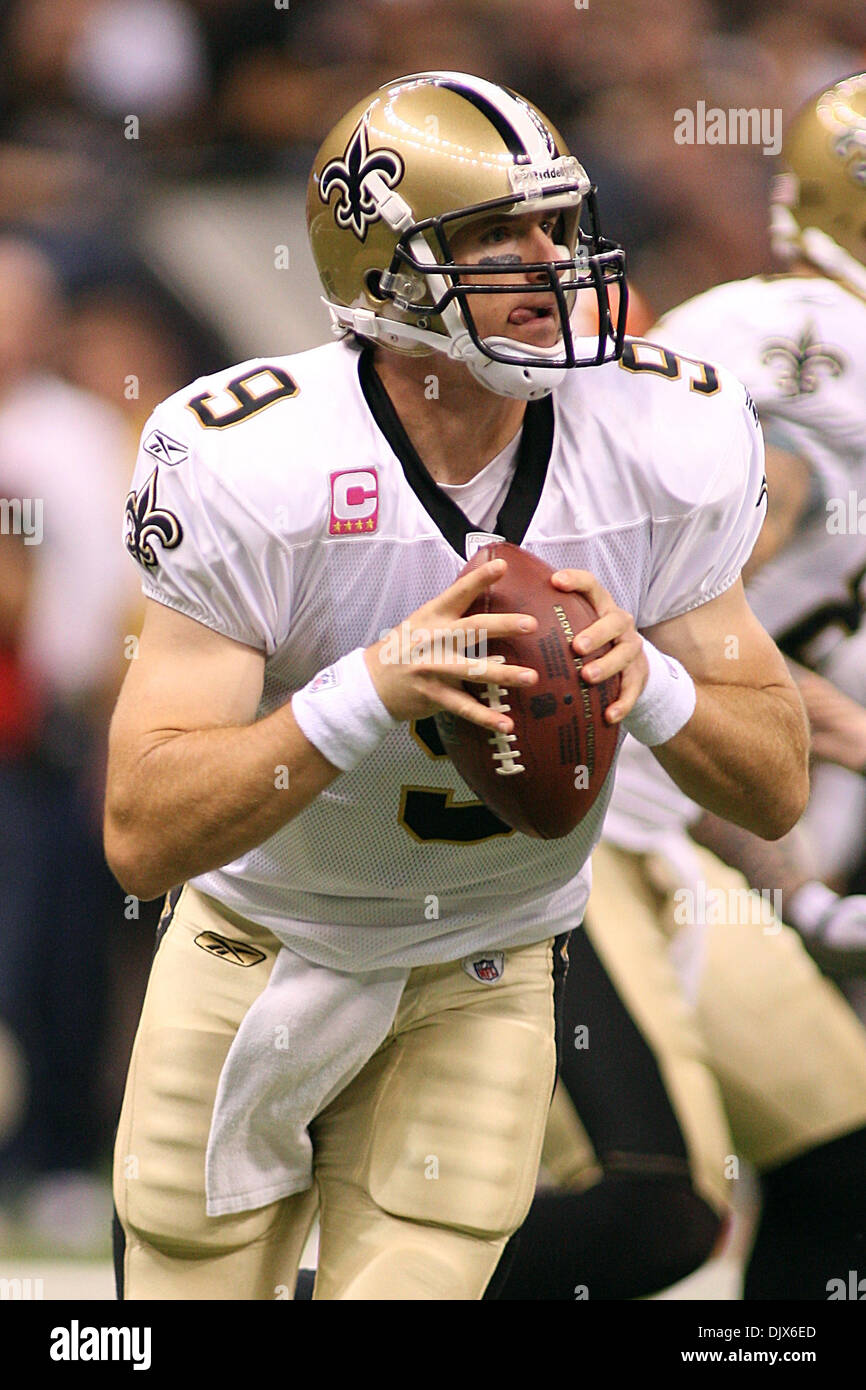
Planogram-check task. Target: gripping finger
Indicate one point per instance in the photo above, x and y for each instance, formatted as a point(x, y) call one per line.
point(584, 582)
point(458, 701)
point(619, 658)
point(632, 683)
point(458, 596)
point(487, 671)
point(603, 630)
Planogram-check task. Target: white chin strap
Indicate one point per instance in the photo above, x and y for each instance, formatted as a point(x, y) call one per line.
point(513, 379)
point(788, 240)
point(504, 378)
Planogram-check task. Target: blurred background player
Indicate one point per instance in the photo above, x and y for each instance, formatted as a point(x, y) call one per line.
point(799, 340)
point(750, 1024)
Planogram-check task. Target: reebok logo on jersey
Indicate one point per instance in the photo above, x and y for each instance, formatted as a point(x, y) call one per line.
point(354, 502)
point(475, 540)
point(485, 969)
point(166, 449)
point(236, 952)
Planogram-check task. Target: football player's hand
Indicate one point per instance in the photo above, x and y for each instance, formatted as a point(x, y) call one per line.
point(836, 937)
point(612, 625)
point(419, 667)
point(837, 722)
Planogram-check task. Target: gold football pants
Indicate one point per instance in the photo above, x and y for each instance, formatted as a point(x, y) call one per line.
point(424, 1165)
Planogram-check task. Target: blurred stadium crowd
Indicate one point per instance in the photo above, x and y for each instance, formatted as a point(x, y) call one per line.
point(153, 159)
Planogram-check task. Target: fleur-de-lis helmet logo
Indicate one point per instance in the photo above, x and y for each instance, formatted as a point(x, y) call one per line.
point(146, 522)
point(355, 206)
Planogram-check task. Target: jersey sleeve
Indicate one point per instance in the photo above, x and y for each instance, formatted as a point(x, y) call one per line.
point(740, 325)
point(202, 546)
point(698, 554)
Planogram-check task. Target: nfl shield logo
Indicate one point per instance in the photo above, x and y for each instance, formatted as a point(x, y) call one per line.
point(324, 680)
point(485, 969)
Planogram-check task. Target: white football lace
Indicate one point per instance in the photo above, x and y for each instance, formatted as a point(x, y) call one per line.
point(505, 755)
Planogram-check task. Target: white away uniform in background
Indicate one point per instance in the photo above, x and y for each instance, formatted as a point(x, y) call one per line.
point(799, 345)
point(292, 527)
point(769, 1038)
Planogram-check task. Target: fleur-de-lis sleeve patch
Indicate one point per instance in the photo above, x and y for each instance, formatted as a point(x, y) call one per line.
point(146, 523)
point(356, 207)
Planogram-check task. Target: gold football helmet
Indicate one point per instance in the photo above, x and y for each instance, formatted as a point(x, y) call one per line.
point(415, 162)
point(819, 198)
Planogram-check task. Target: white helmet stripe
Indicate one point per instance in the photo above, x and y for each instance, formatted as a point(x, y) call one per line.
point(517, 124)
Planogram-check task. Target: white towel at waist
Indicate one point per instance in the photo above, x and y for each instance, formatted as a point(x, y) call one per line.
point(304, 1039)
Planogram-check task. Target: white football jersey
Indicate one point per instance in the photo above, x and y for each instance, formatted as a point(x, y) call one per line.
point(281, 504)
point(799, 345)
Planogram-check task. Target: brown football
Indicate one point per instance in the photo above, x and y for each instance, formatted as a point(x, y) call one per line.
point(544, 776)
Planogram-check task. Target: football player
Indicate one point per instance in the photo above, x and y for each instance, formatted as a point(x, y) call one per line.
point(352, 999)
point(770, 1063)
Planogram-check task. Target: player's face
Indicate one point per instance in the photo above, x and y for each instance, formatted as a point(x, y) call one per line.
point(509, 241)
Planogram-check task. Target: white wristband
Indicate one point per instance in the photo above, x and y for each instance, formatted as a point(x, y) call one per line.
point(665, 704)
point(340, 712)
